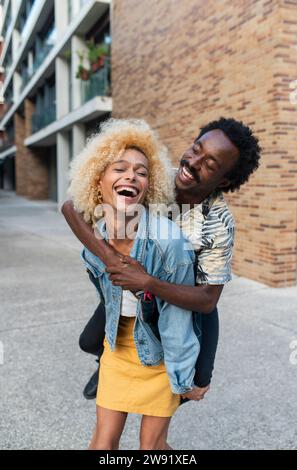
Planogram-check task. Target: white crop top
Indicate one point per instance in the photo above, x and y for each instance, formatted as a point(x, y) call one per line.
point(129, 304)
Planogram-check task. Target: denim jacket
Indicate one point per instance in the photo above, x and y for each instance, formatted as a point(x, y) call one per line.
point(163, 250)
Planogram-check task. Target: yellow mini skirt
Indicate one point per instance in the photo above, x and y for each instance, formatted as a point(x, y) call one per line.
point(126, 385)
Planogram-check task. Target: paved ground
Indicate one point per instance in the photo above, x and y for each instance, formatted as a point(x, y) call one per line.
point(46, 299)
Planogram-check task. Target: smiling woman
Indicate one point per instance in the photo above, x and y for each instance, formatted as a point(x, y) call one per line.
point(148, 361)
point(107, 148)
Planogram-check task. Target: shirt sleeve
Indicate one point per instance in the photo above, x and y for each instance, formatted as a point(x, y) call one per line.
point(213, 260)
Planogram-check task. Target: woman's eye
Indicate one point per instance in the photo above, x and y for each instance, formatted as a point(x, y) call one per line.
point(142, 174)
point(119, 169)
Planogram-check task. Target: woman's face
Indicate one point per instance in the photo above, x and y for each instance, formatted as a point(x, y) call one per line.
point(125, 181)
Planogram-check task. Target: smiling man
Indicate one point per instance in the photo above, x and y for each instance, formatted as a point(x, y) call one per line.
point(221, 159)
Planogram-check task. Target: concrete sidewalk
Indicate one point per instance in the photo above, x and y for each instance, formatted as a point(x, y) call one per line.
point(46, 298)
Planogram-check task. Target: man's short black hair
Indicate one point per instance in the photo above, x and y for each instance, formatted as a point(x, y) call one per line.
point(248, 145)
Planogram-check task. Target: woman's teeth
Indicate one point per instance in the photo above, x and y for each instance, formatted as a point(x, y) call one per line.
point(186, 174)
point(126, 191)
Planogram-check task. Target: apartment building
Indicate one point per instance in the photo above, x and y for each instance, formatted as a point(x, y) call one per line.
point(55, 89)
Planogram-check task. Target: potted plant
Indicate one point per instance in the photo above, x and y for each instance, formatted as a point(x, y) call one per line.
point(92, 55)
point(96, 55)
point(82, 72)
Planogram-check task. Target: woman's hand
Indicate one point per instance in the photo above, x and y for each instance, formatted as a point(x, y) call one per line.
point(129, 274)
point(196, 394)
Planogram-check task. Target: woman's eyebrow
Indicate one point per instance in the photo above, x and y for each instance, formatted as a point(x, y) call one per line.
point(119, 161)
point(125, 161)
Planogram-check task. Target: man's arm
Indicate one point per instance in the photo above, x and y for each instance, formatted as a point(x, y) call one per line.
point(200, 298)
point(85, 233)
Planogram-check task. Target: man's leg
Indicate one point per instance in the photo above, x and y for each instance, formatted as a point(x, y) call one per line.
point(208, 347)
point(91, 341)
point(206, 327)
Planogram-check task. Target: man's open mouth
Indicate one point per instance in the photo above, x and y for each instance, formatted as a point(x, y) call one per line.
point(129, 192)
point(185, 175)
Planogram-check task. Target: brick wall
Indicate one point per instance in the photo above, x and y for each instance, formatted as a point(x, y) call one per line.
point(31, 167)
point(182, 64)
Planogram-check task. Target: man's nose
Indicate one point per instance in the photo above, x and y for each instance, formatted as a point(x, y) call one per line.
point(196, 161)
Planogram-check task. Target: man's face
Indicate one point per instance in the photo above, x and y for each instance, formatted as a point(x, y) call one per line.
point(203, 166)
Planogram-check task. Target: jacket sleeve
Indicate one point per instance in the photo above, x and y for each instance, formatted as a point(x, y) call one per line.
point(180, 343)
point(92, 263)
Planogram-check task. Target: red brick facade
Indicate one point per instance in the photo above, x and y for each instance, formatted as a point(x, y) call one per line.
point(182, 64)
point(31, 168)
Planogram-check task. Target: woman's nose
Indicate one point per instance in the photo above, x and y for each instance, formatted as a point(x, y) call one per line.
point(130, 175)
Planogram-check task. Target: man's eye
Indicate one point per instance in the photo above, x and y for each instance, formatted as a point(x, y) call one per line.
point(210, 165)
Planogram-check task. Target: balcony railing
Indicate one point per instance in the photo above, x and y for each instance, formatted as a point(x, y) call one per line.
point(26, 20)
point(98, 83)
point(6, 26)
point(26, 75)
point(39, 58)
point(43, 118)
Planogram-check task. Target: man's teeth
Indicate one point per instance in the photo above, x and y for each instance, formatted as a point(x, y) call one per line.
point(186, 174)
point(128, 189)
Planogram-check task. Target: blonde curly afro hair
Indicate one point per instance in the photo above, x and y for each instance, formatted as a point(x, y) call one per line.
point(114, 137)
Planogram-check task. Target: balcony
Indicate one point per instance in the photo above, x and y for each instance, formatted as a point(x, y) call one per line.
point(8, 22)
point(26, 75)
point(98, 84)
point(39, 58)
point(43, 118)
point(25, 20)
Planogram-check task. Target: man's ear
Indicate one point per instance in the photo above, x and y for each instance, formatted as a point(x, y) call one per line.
point(224, 183)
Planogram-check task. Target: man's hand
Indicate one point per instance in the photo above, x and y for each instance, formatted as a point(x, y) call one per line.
point(115, 260)
point(129, 274)
point(196, 394)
